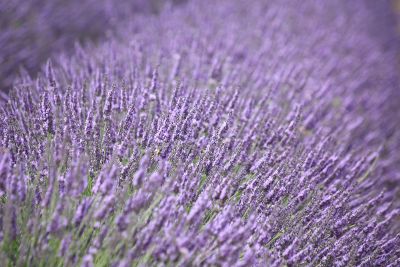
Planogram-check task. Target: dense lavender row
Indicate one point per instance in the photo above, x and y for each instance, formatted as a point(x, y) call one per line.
point(33, 30)
point(212, 135)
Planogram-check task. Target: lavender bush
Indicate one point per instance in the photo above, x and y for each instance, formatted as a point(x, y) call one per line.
point(33, 30)
point(221, 134)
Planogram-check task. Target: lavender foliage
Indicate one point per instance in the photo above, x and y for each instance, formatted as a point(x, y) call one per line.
point(229, 134)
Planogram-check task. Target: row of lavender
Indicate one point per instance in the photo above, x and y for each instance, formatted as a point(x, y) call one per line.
point(220, 134)
point(33, 30)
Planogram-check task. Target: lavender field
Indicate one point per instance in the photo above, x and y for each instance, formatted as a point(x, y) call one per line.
point(199, 133)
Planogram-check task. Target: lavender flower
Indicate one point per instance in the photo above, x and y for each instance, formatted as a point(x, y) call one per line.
point(211, 134)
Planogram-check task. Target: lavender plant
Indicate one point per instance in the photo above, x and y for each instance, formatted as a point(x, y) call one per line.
point(220, 134)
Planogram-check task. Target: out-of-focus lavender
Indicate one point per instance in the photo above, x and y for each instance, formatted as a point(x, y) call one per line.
point(213, 134)
point(31, 31)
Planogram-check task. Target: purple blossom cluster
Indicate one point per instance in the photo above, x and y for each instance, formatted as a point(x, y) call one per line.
point(212, 134)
